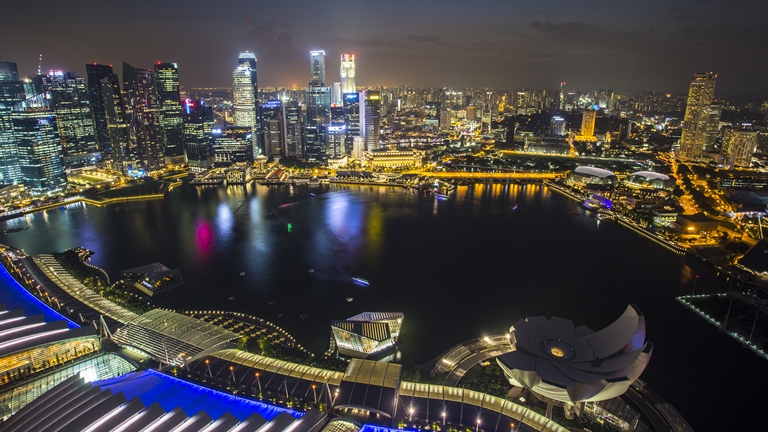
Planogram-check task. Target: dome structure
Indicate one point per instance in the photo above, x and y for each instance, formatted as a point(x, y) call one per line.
point(585, 175)
point(558, 361)
point(650, 180)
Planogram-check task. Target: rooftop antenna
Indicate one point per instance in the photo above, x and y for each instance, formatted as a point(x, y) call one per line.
point(40, 65)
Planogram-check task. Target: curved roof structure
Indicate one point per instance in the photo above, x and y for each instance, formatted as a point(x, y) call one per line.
point(650, 179)
point(575, 364)
point(594, 171)
point(650, 175)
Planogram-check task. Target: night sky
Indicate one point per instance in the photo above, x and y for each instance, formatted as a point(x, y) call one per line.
point(624, 46)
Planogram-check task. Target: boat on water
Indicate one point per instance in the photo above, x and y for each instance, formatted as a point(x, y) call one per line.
point(231, 298)
point(311, 271)
point(272, 303)
point(285, 205)
point(360, 281)
point(13, 230)
point(441, 196)
point(303, 316)
point(242, 273)
point(350, 299)
point(515, 207)
point(311, 195)
point(313, 181)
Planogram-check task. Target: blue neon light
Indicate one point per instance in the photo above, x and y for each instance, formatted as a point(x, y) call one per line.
point(151, 386)
point(16, 297)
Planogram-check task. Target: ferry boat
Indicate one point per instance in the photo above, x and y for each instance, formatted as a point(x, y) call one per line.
point(441, 196)
point(360, 281)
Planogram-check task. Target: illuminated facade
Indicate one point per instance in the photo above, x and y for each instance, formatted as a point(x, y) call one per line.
point(557, 126)
point(317, 67)
point(696, 123)
point(348, 73)
point(169, 104)
point(198, 125)
point(370, 118)
point(273, 121)
point(571, 365)
point(586, 175)
point(650, 180)
point(248, 60)
point(244, 97)
point(394, 158)
point(97, 93)
point(143, 120)
point(39, 146)
point(739, 146)
point(294, 130)
point(74, 118)
point(314, 143)
point(367, 334)
point(588, 123)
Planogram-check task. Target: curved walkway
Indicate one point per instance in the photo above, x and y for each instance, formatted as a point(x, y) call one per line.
point(460, 358)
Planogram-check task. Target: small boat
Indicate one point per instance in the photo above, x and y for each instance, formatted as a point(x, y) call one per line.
point(515, 207)
point(360, 281)
point(311, 271)
point(242, 273)
point(303, 316)
point(272, 302)
point(279, 315)
point(231, 298)
point(285, 205)
point(350, 299)
point(311, 195)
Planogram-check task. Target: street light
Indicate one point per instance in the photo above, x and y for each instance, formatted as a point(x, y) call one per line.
point(410, 414)
point(443, 414)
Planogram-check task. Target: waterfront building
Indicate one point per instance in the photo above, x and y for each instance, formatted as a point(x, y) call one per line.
point(358, 147)
point(348, 84)
point(351, 105)
point(120, 151)
point(143, 121)
point(95, 74)
point(294, 130)
point(169, 105)
point(588, 124)
point(370, 118)
point(314, 143)
point(245, 101)
point(649, 180)
point(152, 278)
point(584, 176)
point(29, 343)
point(393, 158)
point(367, 334)
point(573, 365)
point(739, 145)
point(248, 60)
point(318, 107)
point(335, 136)
point(696, 123)
point(274, 123)
point(557, 126)
point(232, 144)
point(198, 126)
point(74, 119)
point(11, 92)
point(39, 147)
point(696, 223)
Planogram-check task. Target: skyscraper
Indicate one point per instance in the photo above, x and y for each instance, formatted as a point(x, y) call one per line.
point(169, 105)
point(588, 123)
point(11, 92)
point(336, 93)
point(11, 86)
point(119, 149)
point(318, 104)
point(95, 73)
point(694, 139)
point(314, 143)
point(370, 119)
point(72, 106)
point(198, 143)
point(39, 146)
point(713, 125)
point(143, 119)
point(317, 67)
point(249, 58)
point(273, 119)
point(348, 73)
point(557, 126)
point(245, 99)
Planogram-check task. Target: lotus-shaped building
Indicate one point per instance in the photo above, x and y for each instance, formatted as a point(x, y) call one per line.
point(558, 361)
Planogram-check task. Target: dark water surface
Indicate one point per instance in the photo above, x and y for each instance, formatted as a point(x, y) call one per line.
point(458, 269)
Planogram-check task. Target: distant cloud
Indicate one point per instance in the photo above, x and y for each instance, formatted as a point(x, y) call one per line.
point(268, 39)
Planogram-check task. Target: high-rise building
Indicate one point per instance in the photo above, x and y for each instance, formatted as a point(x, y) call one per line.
point(336, 93)
point(39, 146)
point(588, 123)
point(273, 119)
point(72, 106)
point(11, 92)
point(557, 126)
point(335, 136)
point(471, 113)
point(198, 142)
point(713, 125)
point(119, 149)
point(739, 145)
point(358, 147)
point(245, 98)
point(169, 104)
point(695, 137)
point(317, 67)
point(348, 74)
point(318, 104)
point(250, 59)
point(294, 130)
point(143, 119)
point(314, 143)
point(370, 118)
point(432, 113)
point(96, 73)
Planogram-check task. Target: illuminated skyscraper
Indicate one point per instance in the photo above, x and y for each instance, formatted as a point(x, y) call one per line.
point(713, 125)
point(11, 92)
point(74, 119)
point(198, 142)
point(96, 73)
point(39, 146)
point(336, 93)
point(694, 138)
point(348, 73)
point(314, 143)
point(169, 104)
point(739, 145)
point(119, 148)
point(143, 118)
point(293, 130)
point(557, 126)
point(250, 58)
point(273, 119)
point(317, 67)
point(588, 123)
point(370, 119)
point(245, 98)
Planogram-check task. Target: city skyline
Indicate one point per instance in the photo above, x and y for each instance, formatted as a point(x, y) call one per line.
point(626, 48)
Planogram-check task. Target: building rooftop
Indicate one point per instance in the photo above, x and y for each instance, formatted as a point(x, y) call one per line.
point(154, 271)
point(650, 175)
point(594, 171)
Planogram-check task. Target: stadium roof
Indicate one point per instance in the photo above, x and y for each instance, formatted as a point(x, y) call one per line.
point(20, 332)
point(594, 171)
point(167, 335)
point(650, 175)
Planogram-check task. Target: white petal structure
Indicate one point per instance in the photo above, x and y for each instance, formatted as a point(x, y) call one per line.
point(575, 364)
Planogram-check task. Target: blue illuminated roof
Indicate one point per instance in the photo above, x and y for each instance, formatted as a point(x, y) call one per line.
point(151, 386)
point(16, 297)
